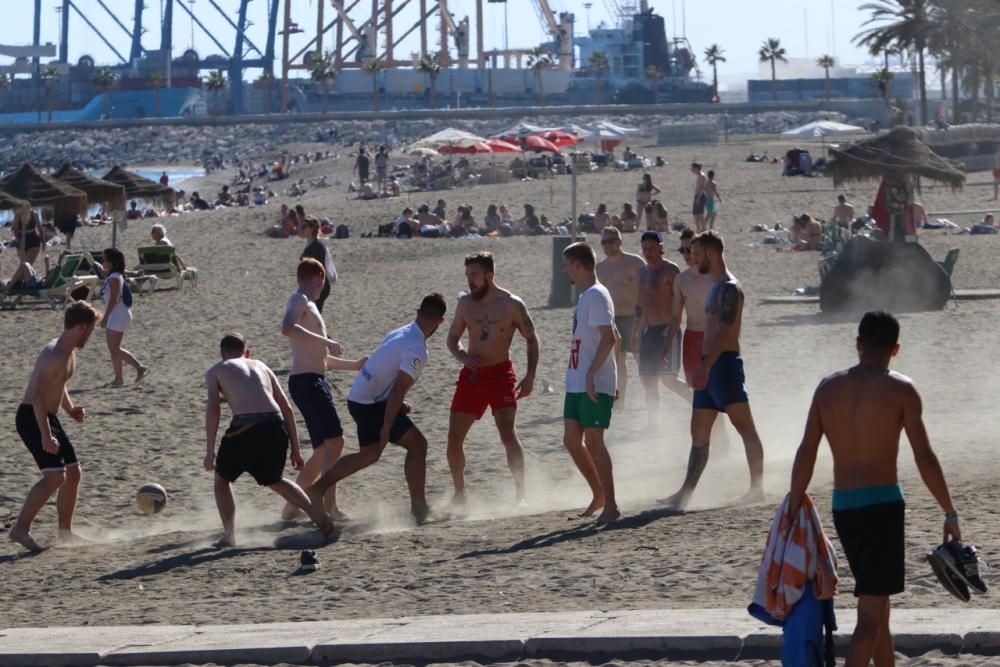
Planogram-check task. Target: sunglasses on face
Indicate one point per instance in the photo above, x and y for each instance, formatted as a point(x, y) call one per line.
point(684, 251)
point(608, 241)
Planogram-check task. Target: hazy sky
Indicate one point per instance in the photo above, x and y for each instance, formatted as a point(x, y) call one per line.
point(738, 26)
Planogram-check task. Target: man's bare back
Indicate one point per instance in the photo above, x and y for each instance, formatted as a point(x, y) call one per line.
point(862, 412)
point(491, 324)
point(621, 276)
point(246, 383)
point(656, 292)
point(53, 369)
point(725, 305)
point(844, 214)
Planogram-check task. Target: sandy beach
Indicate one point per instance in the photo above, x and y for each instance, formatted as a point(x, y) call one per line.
point(162, 569)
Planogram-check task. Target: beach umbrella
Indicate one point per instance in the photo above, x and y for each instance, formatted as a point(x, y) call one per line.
point(106, 193)
point(540, 144)
point(499, 146)
point(519, 131)
point(562, 139)
point(137, 187)
point(449, 137)
point(423, 151)
point(480, 147)
point(822, 128)
point(576, 130)
point(898, 154)
point(43, 191)
point(11, 203)
point(613, 128)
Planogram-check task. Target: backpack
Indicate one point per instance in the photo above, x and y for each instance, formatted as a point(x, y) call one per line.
point(342, 232)
point(126, 294)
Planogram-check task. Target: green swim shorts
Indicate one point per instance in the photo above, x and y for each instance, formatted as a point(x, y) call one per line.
point(580, 408)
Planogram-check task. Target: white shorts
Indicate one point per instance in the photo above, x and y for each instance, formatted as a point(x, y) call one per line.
point(119, 319)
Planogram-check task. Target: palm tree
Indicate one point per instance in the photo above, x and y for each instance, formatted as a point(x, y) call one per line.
point(373, 67)
point(655, 75)
point(431, 66)
point(772, 50)
point(215, 83)
point(156, 82)
point(51, 77)
point(600, 64)
point(323, 70)
point(899, 24)
point(104, 80)
point(538, 60)
point(952, 22)
point(713, 56)
point(265, 80)
point(826, 62)
point(883, 82)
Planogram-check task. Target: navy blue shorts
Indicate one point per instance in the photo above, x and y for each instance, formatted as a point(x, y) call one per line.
point(726, 384)
point(370, 416)
point(27, 428)
point(311, 395)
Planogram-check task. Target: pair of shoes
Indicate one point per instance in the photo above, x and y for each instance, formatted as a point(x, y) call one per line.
point(957, 568)
point(308, 562)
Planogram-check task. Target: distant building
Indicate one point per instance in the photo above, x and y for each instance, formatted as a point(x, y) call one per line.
point(801, 79)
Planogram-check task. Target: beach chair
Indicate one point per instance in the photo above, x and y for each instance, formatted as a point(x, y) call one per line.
point(949, 262)
point(57, 287)
point(161, 261)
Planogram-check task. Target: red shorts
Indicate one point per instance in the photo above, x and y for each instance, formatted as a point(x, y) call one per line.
point(490, 386)
point(693, 341)
point(996, 175)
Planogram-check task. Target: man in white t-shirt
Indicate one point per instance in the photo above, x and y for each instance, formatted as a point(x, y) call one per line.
point(376, 404)
point(591, 380)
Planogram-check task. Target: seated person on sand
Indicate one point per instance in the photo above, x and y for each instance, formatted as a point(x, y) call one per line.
point(395, 189)
point(505, 216)
point(133, 212)
point(404, 224)
point(425, 217)
point(806, 233)
point(259, 196)
point(288, 226)
point(224, 198)
point(629, 219)
point(199, 204)
point(151, 213)
point(465, 220)
point(601, 218)
point(491, 221)
point(987, 226)
point(660, 219)
point(529, 223)
point(367, 192)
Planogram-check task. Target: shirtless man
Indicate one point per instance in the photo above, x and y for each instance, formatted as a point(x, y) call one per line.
point(698, 209)
point(619, 273)
point(38, 425)
point(492, 315)
point(691, 289)
point(656, 298)
point(862, 411)
point(843, 214)
point(257, 439)
point(719, 382)
point(996, 173)
point(377, 405)
point(307, 383)
point(712, 199)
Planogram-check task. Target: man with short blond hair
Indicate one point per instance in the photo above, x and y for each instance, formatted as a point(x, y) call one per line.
point(38, 425)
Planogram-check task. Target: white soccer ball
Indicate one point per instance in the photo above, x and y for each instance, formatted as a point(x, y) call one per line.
point(151, 498)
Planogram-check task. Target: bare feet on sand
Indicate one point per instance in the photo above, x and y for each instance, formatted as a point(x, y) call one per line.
point(422, 514)
point(143, 372)
point(69, 538)
point(224, 543)
point(609, 516)
point(751, 497)
point(25, 539)
point(595, 504)
point(330, 531)
point(678, 501)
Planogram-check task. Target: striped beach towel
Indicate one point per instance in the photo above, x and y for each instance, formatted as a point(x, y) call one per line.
point(797, 552)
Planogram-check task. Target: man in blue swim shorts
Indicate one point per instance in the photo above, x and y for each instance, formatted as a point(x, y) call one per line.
point(719, 381)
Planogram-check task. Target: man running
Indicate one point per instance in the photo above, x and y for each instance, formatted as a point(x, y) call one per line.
point(591, 381)
point(619, 273)
point(492, 315)
point(861, 411)
point(719, 381)
point(38, 425)
point(376, 403)
point(698, 209)
point(307, 383)
point(656, 297)
point(257, 439)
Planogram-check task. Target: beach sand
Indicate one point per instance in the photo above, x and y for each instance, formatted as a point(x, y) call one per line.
point(162, 569)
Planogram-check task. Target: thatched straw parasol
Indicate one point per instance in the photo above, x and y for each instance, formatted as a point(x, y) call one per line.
point(108, 194)
point(898, 154)
point(39, 190)
point(12, 203)
point(137, 187)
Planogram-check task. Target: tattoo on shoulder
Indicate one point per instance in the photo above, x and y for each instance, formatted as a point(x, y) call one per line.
point(729, 303)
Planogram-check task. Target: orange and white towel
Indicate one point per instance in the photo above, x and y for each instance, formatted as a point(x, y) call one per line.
point(797, 552)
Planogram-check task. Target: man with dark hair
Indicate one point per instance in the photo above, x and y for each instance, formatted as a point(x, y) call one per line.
point(257, 439)
point(700, 197)
point(656, 296)
point(38, 425)
point(619, 272)
point(491, 315)
point(719, 382)
point(376, 402)
point(307, 383)
point(861, 411)
point(591, 381)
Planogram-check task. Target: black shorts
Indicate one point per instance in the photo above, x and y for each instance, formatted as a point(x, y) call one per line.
point(625, 325)
point(651, 352)
point(699, 204)
point(370, 416)
point(27, 428)
point(873, 540)
point(259, 449)
point(312, 396)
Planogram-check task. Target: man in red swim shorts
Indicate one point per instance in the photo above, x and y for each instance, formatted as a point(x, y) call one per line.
point(491, 315)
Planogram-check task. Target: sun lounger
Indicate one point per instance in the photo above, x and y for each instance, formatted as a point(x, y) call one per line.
point(162, 262)
point(60, 282)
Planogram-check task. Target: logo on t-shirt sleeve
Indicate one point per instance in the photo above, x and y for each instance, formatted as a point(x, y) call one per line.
point(415, 363)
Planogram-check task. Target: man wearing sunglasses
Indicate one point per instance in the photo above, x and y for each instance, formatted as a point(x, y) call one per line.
point(619, 272)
